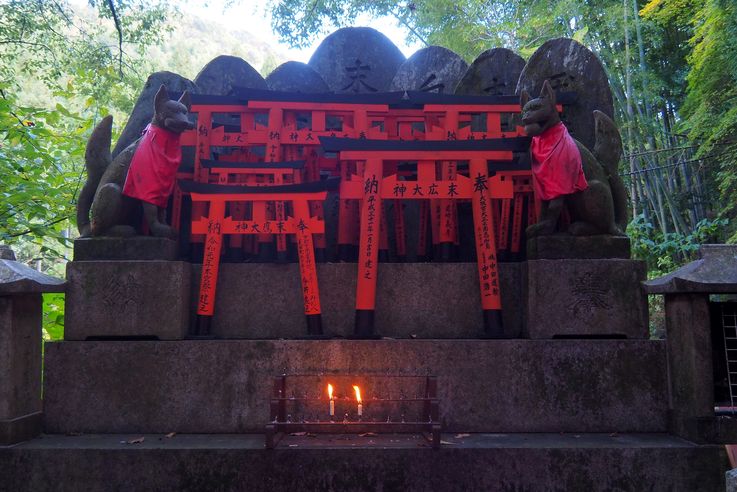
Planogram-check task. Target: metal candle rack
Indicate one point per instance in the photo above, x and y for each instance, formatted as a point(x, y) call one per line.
point(280, 422)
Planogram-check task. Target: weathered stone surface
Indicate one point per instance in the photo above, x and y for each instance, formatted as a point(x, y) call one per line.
point(20, 429)
point(20, 366)
point(530, 462)
point(690, 361)
point(127, 299)
point(426, 300)
point(18, 278)
point(223, 386)
point(560, 247)
point(357, 59)
point(570, 66)
point(582, 298)
point(731, 480)
point(493, 73)
point(714, 272)
point(431, 69)
point(6, 253)
point(124, 248)
point(143, 111)
point(224, 72)
point(295, 76)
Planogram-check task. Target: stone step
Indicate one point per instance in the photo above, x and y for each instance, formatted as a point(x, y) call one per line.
point(488, 462)
point(224, 386)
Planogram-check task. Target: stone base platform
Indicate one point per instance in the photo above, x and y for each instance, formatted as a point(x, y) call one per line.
point(224, 386)
point(422, 300)
point(504, 462)
point(124, 248)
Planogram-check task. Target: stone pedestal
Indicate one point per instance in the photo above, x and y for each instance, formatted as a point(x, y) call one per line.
point(687, 324)
point(127, 299)
point(20, 367)
point(586, 299)
point(560, 247)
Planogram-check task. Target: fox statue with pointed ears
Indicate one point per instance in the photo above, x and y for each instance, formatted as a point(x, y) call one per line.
point(140, 177)
point(566, 173)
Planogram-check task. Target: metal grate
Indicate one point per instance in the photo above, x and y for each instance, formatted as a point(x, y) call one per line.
point(728, 321)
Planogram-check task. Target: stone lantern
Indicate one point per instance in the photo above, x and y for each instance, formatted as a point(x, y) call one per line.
point(20, 347)
point(689, 341)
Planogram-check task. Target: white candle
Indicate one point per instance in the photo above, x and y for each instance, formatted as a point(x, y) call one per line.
point(332, 402)
point(358, 399)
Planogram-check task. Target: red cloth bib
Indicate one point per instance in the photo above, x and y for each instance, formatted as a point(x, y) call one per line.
point(556, 164)
point(154, 166)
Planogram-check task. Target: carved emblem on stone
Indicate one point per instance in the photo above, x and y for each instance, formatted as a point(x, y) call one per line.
point(121, 295)
point(589, 292)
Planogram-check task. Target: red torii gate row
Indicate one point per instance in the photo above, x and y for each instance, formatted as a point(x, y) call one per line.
point(281, 136)
point(373, 187)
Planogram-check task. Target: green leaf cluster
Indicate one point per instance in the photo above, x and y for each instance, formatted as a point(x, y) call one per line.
point(664, 252)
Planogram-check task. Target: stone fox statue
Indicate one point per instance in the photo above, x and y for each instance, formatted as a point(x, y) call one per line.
point(567, 173)
point(142, 173)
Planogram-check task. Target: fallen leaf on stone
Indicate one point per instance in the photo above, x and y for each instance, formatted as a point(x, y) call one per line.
point(170, 435)
point(298, 434)
point(137, 440)
point(367, 434)
point(446, 442)
point(461, 436)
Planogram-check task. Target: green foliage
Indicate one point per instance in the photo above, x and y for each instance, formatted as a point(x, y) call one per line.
point(53, 317)
point(41, 151)
point(710, 106)
point(59, 74)
point(664, 252)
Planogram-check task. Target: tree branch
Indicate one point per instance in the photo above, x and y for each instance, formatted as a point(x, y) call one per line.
point(120, 36)
point(28, 231)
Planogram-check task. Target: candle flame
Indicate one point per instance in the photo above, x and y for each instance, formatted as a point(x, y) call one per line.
point(358, 393)
point(330, 391)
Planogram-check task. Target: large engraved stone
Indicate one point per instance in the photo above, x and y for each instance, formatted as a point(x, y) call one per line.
point(357, 60)
point(431, 69)
point(224, 72)
point(494, 72)
point(295, 76)
point(143, 111)
point(127, 299)
point(586, 298)
point(571, 67)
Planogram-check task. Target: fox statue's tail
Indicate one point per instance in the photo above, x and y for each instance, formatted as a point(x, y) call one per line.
point(97, 158)
point(608, 150)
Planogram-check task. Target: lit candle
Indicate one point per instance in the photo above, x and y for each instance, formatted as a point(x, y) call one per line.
point(332, 402)
point(358, 398)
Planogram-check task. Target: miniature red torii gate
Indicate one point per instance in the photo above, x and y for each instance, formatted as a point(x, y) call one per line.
point(373, 187)
point(215, 224)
